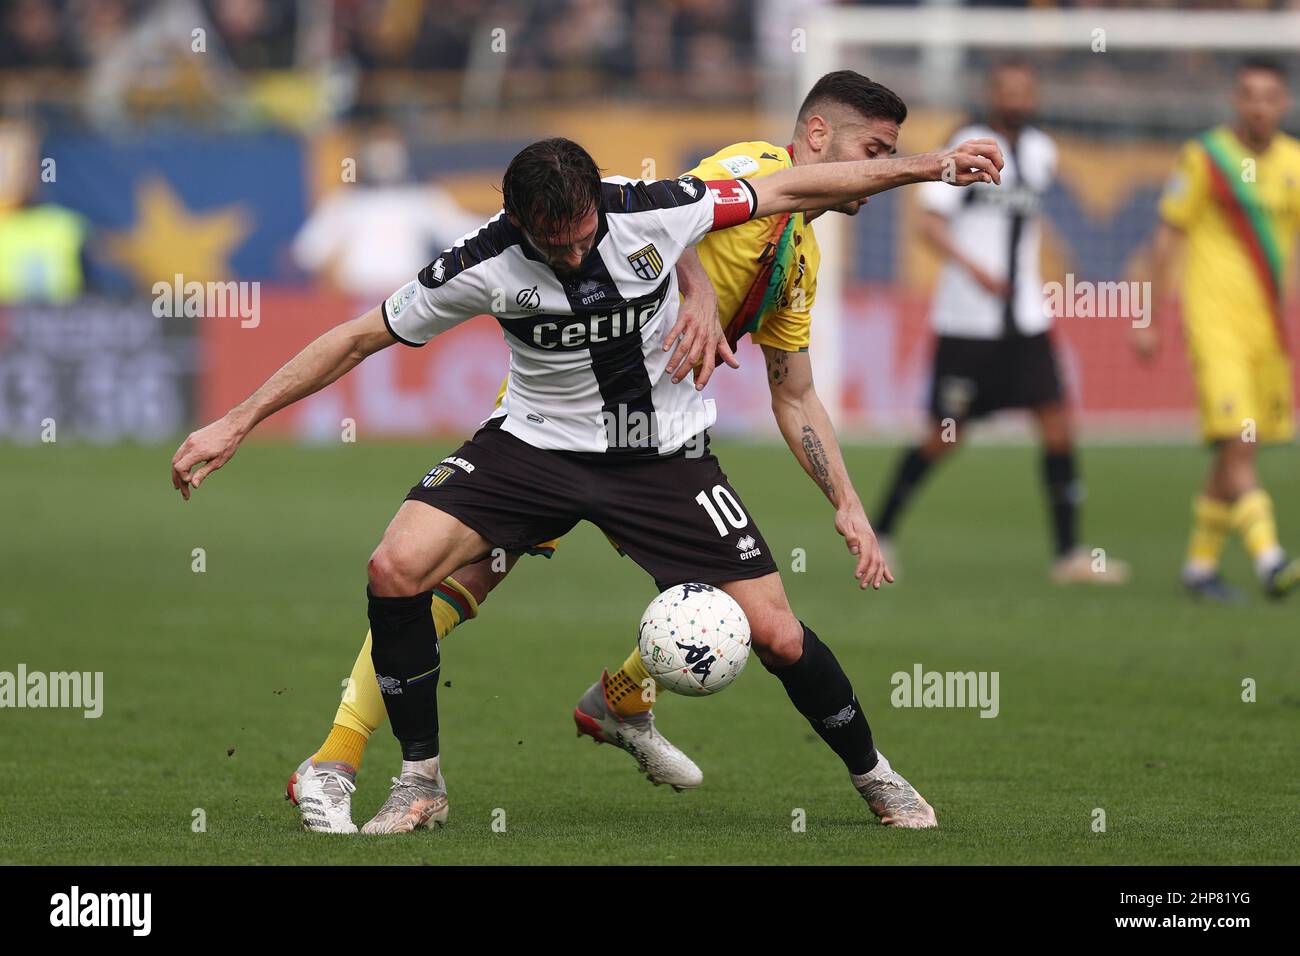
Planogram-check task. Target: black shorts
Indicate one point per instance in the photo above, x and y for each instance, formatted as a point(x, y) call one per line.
point(677, 517)
point(973, 377)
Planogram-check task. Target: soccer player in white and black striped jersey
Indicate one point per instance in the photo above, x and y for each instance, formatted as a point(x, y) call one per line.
point(579, 273)
point(993, 350)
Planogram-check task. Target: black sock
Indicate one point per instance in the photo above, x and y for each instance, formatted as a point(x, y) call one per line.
point(404, 649)
point(820, 690)
point(910, 472)
point(1063, 495)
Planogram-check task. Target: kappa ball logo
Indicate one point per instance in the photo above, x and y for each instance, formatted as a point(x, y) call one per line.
point(689, 589)
point(698, 659)
point(530, 300)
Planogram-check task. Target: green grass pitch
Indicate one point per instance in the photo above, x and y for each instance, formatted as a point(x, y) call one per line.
point(218, 683)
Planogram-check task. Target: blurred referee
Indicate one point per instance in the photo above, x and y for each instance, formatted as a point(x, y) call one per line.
point(993, 351)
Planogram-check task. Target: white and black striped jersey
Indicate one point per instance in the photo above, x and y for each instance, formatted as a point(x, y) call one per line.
point(586, 350)
point(998, 227)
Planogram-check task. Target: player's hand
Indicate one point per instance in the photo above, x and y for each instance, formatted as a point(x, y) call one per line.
point(872, 568)
point(699, 338)
point(994, 285)
point(1146, 342)
point(204, 452)
point(974, 161)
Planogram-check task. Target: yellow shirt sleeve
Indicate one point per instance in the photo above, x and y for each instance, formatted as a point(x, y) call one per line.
point(790, 329)
point(742, 161)
point(1187, 190)
point(728, 255)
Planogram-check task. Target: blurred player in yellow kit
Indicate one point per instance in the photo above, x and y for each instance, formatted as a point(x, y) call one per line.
point(1233, 207)
point(761, 278)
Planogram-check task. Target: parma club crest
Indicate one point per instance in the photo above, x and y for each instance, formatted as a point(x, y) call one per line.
point(437, 476)
point(647, 263)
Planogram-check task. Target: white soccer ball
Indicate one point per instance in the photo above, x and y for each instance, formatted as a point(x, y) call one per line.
point(694, 639)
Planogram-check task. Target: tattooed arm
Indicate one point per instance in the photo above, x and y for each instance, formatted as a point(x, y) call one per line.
point(807, 430)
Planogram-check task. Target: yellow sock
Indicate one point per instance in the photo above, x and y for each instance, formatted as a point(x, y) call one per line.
point(343, 745)
point(1211, 522)
point(625, 689)
point(1252, 518)
point(452, 604)
point(361, 711)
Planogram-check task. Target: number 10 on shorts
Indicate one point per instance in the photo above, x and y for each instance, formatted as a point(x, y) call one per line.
point(723, 504)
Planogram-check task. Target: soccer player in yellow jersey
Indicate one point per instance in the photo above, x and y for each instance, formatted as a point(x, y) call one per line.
point(764, 272)
point(1233, 207)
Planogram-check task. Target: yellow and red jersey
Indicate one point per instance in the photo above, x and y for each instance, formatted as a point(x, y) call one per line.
point(764, 270)
point(1240, 212)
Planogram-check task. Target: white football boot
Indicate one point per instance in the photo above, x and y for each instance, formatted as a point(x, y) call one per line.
point(322, 792)
point(892, 798)
point(659, 759)
point(415, 802)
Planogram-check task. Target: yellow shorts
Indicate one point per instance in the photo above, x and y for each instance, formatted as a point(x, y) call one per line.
point(1243, 394)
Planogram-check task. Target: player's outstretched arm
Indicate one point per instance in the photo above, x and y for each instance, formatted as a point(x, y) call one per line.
point(829, 184)
point(326, 359)
point(807, 429)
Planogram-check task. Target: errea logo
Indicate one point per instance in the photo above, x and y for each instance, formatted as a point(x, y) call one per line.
point(747, 547)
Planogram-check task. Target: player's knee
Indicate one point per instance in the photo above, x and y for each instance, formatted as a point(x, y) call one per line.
point(389, 575)
point(777, 636)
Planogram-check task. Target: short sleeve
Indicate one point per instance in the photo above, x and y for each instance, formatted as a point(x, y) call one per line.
point(692, 207)
point(440, 298)
point(790, 327)
point(1187, 188)
point(742, 161)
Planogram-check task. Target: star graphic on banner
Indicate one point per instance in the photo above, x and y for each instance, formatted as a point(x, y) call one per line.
point(167, 238)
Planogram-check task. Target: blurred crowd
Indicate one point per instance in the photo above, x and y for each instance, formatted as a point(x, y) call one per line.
point(116, 58)
point(553, 47)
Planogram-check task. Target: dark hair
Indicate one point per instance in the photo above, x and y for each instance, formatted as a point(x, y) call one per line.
point(1262, 63)
point(553, 181)
point(867, 98)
